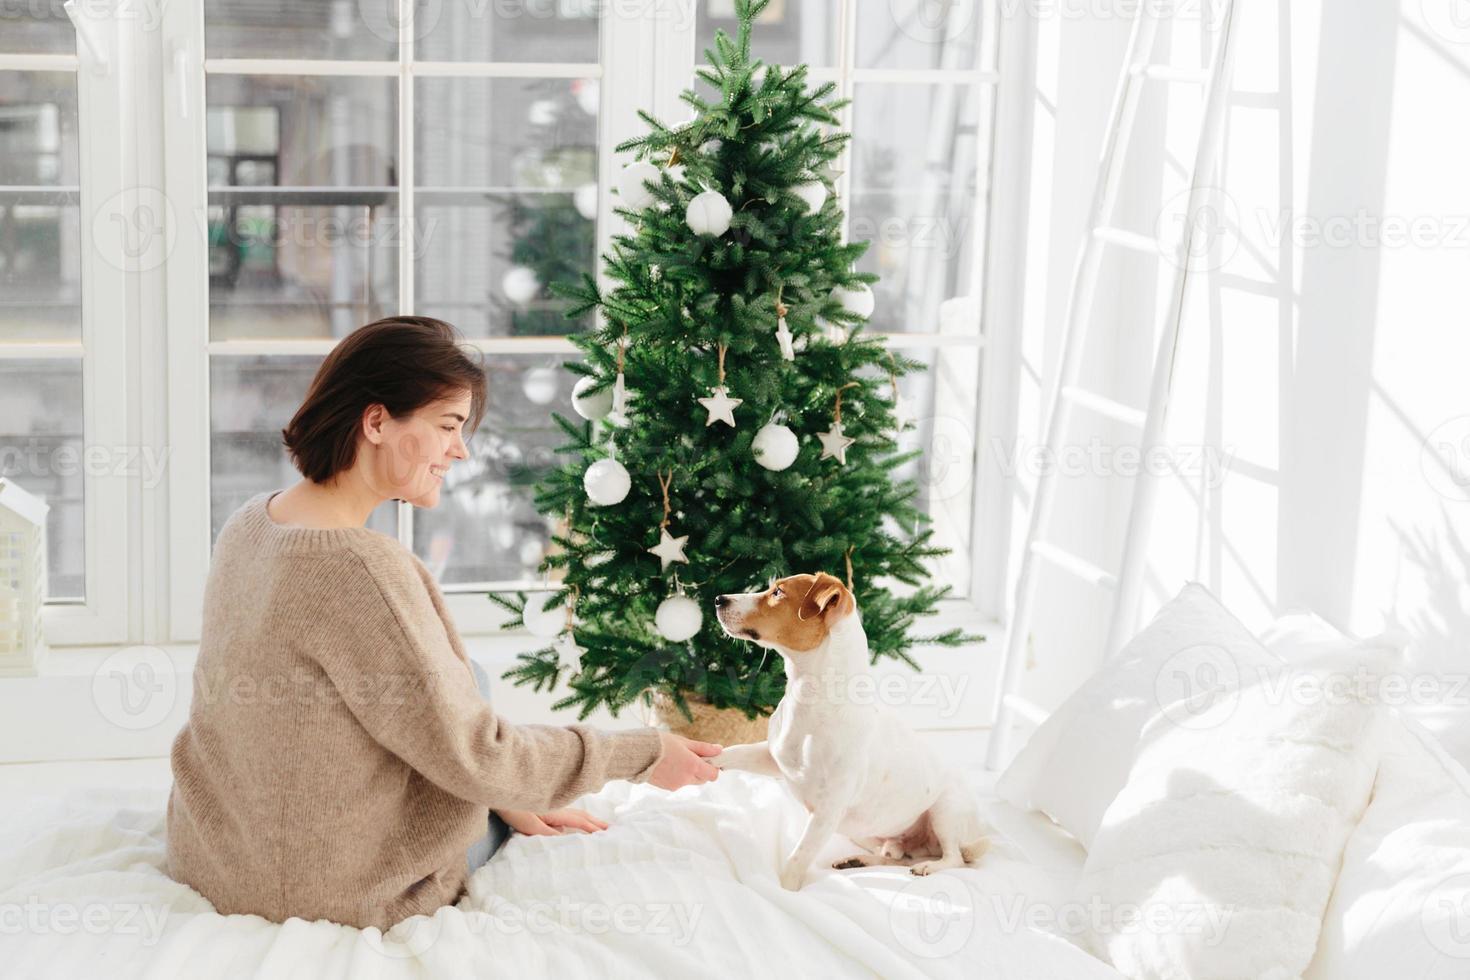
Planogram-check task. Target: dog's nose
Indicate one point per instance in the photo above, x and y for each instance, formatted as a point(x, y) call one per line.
point(721, 601)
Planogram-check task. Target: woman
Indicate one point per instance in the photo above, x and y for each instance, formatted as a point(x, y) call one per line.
point(339, 761)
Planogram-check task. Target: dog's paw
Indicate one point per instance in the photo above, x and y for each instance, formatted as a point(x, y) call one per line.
point(971, 853)
point(856, 861)
point(791, 878)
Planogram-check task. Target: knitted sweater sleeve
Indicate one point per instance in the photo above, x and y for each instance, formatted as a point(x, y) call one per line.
point(401, 672)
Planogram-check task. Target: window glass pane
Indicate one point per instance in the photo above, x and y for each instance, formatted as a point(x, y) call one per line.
point(41, 450)
point(251, 399)
point(915, 161)
point(338, 29)
point(944, 400)
point(507, 30)
point(507, 203)
point(486, 528)
point(303, 214)
point(789, 32)
point(36, 27)
point(40, 231)
point(913, 34)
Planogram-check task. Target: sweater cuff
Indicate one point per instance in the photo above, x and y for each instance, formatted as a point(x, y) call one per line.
point(634, 753)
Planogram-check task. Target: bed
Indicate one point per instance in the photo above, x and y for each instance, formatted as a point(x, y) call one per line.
point(683, 884)
point(1264, 831)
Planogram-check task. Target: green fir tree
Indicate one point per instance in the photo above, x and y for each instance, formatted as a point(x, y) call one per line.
point(692, 312)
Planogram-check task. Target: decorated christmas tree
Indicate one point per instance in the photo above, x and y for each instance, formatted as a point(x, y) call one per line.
point(737, 425)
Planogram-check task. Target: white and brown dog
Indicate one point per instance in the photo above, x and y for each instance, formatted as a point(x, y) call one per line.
point(855, 766)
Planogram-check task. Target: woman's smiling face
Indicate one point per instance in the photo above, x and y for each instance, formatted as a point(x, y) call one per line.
point(416, 452)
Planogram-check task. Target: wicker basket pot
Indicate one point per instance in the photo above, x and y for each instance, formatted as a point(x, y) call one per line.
point(723, 726)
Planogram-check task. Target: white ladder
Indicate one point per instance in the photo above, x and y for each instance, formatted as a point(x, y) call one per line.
point(1127, 583)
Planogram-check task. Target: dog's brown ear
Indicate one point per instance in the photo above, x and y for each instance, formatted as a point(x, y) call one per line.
point(827, 597)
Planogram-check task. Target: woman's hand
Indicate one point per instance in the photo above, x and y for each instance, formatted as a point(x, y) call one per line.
point(682, 762)
point(553, 823)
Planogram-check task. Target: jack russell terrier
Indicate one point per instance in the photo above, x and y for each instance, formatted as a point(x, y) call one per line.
point(858, 770)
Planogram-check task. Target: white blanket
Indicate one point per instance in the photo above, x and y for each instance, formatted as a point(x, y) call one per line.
point(682, 885)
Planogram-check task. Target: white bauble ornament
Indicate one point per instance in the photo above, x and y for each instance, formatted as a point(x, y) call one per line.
point(591, 407)
point(775, 446)
point(584, 198)
point(678, 618)
point(543, 620)
point(542, 112)
point(813, 194)
point(539, 385)
point(855, 299)
point(708, 214)
point(520, 284)
point(631, 185)
point(606, 482)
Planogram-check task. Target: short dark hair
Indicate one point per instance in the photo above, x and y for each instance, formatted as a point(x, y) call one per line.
point(400, 362)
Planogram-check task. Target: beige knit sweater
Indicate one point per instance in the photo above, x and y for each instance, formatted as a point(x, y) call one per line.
point(338, 759)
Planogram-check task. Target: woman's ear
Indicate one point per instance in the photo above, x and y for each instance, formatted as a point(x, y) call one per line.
point(372, 423)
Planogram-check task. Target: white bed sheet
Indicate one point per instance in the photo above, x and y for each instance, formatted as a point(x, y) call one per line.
point(683, 885)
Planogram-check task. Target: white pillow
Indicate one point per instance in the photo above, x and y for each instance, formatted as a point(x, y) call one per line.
point(1218, 856)
point(1401, 907)
point(1433, 693)
point(1078, 759)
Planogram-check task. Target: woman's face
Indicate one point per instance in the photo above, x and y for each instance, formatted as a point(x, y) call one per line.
point(415, 453)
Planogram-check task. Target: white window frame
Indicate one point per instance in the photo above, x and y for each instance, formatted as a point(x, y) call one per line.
point(108, 610)
point(645, 62)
